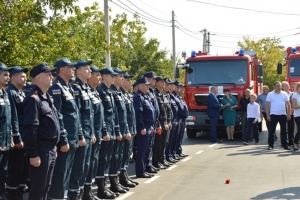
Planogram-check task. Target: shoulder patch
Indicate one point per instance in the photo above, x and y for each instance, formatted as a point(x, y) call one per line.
point(34, 96)
point(56, 91)
point(76, 92)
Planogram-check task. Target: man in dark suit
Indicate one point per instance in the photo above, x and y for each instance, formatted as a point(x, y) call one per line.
point(213, 111)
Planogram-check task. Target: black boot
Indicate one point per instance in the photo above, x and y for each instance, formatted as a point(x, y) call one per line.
point(122, 186)
point(124, 180)
point(111, 192)
point(88, 194)
point(102, 192)
point(132, 181)
point(114, 186)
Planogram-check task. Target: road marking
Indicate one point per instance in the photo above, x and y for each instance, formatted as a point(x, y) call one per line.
point(213, 145)
point(199, 152)
point(186, 159)
point(170, 168)
point(125, 196)
point(152, 179)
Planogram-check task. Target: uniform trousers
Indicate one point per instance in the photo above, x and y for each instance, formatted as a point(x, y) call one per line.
point(61, 174)
point(142, 150)
point(171, 140)
point(164, 144)
point(157, 149)
point(105, 153)
point(120, 155)
point(41, 177)
point(94, 160)
point(177, 138)
point(178, 148)
point(113, 163)
point(3, 170)
point(126, 153)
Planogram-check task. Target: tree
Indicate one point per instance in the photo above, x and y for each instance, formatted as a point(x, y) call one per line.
point(270, 52)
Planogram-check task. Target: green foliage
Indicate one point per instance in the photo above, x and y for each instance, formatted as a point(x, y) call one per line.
point(31, 34)
point(270, 52)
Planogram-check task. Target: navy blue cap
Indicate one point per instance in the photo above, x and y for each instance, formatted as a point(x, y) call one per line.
point(17, 69)
point(177, 83)
point(169, 81)
point(54, 74)
point(119, 71)
point(4, 68)
point(159, 78)
point(95, 69)
point(63, 62)
point(142, 80)
point(149, 75)
point(81, 63)
point(108, 70)
point(40, 68)
point(134, 84)
point(126, 76)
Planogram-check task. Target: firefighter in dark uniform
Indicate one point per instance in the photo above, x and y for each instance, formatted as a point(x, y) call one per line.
point(63, 96)
point(6, 141)
point(180, 117)
point(107, 144)
point(27, 88)
point(145, 118)
point(83, 101)
point(166, 135)
point(151, 78)
point(120, 102)
point(134, 142)
point(175, 121)
point(178, 148)
point(162, 122)
point(17, 165)
point(128, 144)
point(41, 131)
point(99, 127)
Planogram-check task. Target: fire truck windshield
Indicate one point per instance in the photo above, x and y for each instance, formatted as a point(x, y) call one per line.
point(217, 72)
point(294, 67)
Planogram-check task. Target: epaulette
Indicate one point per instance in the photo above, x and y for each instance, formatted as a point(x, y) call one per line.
point(75, 83)
point(140, 94)
point(34, 95)
point(58, 83)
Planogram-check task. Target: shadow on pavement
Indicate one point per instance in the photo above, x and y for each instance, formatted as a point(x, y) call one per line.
point(287, 193)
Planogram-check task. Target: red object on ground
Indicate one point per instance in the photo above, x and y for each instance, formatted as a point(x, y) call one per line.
point(158, 132)
point(227, 181)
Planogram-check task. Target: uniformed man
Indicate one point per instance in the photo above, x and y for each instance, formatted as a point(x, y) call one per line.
point(41, 131)
point(165, 139)
point(83, 101)
point(6, 141)
point(27, 88)
point(128, 144)
point(178, 148)
point(151, 78)
point(17, 165)
point(107, 144)
point(162, 122)
point(145, 118)
point(175, 121)
point(62, 94)
point(134, 144)
point(99, 127)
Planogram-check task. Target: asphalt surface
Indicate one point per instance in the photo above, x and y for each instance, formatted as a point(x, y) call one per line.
point(253, 171)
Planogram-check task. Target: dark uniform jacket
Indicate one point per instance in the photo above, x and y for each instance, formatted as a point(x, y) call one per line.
point(69, 118)
point(121, 110)
point(144, 111)
point(41, 124)
point(110, 114)
point(82, 94)
point(162, 103)
point(5, 121)
point(99, 123)
point(130, 112)
point(155, 106)
point(169, 109)
point(180, 106)
point(186, 110)
point(174, 107)
point(16, 98)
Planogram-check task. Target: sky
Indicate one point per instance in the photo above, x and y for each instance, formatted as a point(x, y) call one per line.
point(227, 26)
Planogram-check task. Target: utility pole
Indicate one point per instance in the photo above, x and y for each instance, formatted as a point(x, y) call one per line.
point(204, 41)
point(107, 32)
point(208, 42)
point(173, 39)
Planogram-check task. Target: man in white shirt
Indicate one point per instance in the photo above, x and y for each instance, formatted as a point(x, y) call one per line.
point(278, 109)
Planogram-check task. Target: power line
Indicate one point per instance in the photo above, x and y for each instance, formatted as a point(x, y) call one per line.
point(132, 10)
point(148, 13)
point(188, 33)
point(247, 9)
point(196, 32)
point(147, 19)
point(154, 8)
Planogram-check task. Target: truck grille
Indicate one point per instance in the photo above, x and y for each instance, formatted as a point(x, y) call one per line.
point(201, 99)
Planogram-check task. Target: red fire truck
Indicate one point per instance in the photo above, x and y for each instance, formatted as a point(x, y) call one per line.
point(202, 71)
point(292, 65)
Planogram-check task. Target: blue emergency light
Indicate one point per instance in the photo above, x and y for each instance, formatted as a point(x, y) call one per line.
point(241, 52)
point(193, 54)
point(294, 51)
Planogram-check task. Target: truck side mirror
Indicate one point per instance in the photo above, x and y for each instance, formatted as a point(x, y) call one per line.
point(259, 70)
point(260, 80)
point(176, 73)
point(279, 68)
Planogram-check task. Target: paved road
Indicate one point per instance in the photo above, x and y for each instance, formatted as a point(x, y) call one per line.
point(255, 173)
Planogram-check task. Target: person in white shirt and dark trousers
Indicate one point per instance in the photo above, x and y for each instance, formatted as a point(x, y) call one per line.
point(296, 107)
point(253, 114)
